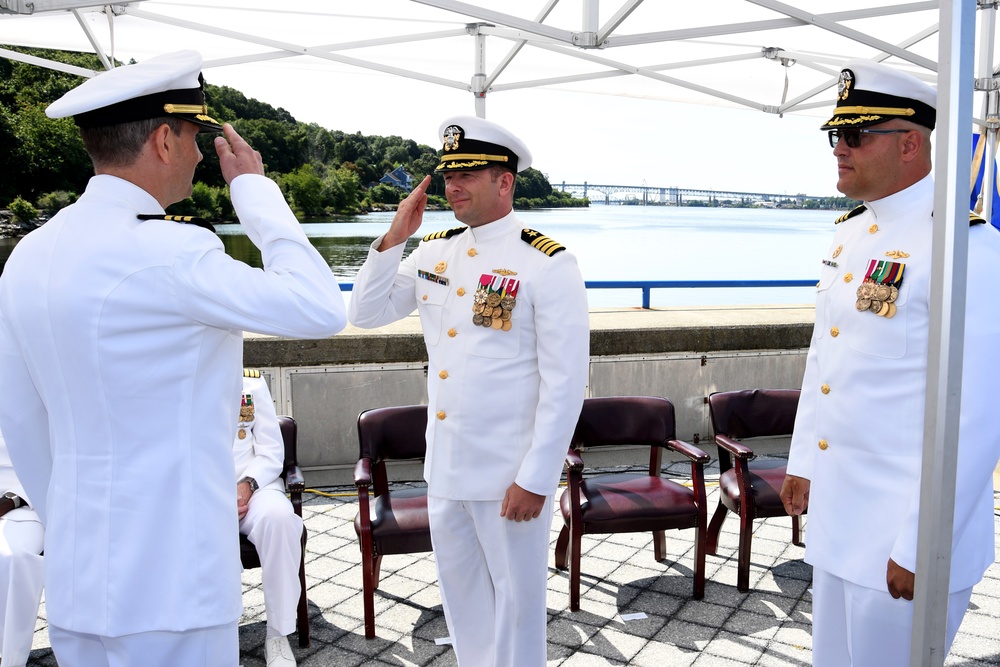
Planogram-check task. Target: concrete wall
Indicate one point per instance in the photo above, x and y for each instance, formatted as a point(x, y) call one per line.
point(684, 355)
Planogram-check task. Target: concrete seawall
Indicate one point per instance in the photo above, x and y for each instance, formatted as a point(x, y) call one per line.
point(684, 354)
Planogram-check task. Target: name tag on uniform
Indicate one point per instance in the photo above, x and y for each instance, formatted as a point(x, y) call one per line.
point(433, 277)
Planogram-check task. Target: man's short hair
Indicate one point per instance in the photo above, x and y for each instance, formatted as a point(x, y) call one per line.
point(121, 145)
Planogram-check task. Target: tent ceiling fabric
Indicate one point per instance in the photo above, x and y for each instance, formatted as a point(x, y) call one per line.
point(759, 54)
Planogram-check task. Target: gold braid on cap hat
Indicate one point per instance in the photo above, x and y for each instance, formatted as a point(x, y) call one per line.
point(475, 156)
point(186, 108)
point(893, 111)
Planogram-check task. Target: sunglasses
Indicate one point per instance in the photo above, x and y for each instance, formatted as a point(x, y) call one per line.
point(853, 137)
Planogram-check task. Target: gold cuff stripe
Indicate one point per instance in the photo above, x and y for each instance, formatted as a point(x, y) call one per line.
point(546, 245)
point(895, 111)
point(475, 156)
point(186, 108)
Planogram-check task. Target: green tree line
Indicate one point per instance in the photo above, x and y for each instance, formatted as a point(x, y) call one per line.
point(321, 171)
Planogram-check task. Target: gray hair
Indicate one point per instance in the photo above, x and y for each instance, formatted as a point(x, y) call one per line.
point(120, 145)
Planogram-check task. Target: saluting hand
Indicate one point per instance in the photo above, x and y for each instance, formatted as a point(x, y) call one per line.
point(236, 157)
point(409, 215)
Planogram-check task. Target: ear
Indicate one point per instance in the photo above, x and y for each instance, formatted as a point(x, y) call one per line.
point(161, 143)
point(507, 180)
point(911, 144)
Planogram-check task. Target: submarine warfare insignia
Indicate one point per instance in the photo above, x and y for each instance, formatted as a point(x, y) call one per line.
point(897, 254)
point(185, 219)
point(539, 241)
point(504, 272)
point(880, 288)
point(493, 302)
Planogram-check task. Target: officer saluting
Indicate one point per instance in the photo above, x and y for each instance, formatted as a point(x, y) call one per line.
point(504, 316)
point(120, 354)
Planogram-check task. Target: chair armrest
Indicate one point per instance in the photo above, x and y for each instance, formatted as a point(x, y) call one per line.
point(688, 450)
point(363, 472)
point(737, 449)
point(294, 480)
point(574, 462)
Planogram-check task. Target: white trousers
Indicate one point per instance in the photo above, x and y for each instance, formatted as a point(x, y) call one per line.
point(275, 530)
point(857, 626)
point(21, 579)
point(217, 646)
point(492, 574)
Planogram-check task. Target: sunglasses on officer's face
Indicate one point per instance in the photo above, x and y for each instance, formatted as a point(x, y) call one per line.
point(853, 137)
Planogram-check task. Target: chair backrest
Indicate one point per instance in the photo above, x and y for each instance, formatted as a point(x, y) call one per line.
point(395, 433)
point(290, 436)
point(753, 413)
point(625, 420)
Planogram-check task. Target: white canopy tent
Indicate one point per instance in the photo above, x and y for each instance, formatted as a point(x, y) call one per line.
point(765, 55)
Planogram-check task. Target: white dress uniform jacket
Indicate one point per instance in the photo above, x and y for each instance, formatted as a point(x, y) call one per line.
point(21, 569)
point(503, 405)
point(258, 449)
point(859, 429)
point(120, 356)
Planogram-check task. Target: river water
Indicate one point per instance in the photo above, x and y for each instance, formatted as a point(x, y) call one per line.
point(624, 243)
point(630, 243)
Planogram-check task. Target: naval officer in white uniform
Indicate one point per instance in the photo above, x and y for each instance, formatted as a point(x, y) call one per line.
point(857, 445)
point(20, 566)
point(504, 316)
point(121, 341)
point(266, 515)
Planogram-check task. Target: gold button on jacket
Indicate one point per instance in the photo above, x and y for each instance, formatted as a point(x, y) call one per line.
point(834, 332)
point(823, 444)
point(825, 389)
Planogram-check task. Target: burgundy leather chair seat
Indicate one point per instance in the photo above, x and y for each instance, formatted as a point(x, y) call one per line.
point(632, 503)
point(399, 524)
point(766, 478)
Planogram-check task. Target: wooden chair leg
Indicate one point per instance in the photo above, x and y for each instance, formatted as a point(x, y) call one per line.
point(659, 545)
point(576, 534)
point(368, 593)
point(715, 527)
point(562, 543)
point(797, 532)
point(700, 548)
point(743, 559)
point(302, 615)
point(376, 571)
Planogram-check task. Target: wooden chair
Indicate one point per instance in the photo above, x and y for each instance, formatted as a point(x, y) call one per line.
point(294, 485)
point(749, 488)
point(630, 502)
point(388, 522)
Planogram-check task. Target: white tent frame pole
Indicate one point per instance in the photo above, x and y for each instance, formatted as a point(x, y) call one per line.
point(949, 262)
point(479, 75)
point(483, 14)
point(49, 64)
point(844, 31)
point(93, 40)
point(616, 20)
point(507, 59)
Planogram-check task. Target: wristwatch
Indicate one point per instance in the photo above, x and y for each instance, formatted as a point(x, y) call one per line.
point(14, 498)
point(252, 482)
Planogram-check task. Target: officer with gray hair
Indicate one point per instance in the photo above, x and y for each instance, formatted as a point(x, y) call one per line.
point(121, 344)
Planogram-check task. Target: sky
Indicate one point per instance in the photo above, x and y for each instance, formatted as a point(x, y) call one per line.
point(627, 130)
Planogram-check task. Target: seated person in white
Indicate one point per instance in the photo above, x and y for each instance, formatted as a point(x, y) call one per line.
point(21, 574)
point(266, 515)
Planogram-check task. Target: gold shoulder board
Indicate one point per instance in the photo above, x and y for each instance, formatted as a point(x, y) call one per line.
point(446, 234)
point(539, 241)
point(183, 219)
point(251, 373)
point(975, 219)
point(857, 210)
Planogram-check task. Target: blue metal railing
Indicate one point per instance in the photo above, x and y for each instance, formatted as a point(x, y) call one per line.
point(648, 285)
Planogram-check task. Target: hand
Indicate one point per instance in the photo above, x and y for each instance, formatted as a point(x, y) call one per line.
point(409, 215)
point(521, 505)
point(243, 494)
point(236, 157)
point(899, 580)
point(795, 494)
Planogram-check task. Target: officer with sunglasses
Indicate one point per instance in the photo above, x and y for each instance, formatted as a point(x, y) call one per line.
point(856, 451)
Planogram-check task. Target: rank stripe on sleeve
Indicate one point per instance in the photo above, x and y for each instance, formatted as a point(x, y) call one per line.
point(446, 234)
point(540, 242)
point(184, 219)
point(251, 373)
point(857, 210)
point(975, 219)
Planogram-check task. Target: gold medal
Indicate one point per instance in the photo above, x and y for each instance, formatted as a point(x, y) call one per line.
point(440, 267)
point(892, 311)
point(862, 304)
point(493, 299)
point(242, 434)
point(875, 306)
point(882, 292)
point(497, 311)
point(508, 303)
point(884, 309)
point(477, 308)
point(507, 324)
point(893, 294)
point(477, 319)
point(487, 321)
point(497, 323)
point(505, 315)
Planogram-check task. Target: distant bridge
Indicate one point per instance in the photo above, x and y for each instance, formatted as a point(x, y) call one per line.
point(671, 196)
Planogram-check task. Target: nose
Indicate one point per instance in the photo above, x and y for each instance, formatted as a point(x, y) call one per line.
point(841, 148)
